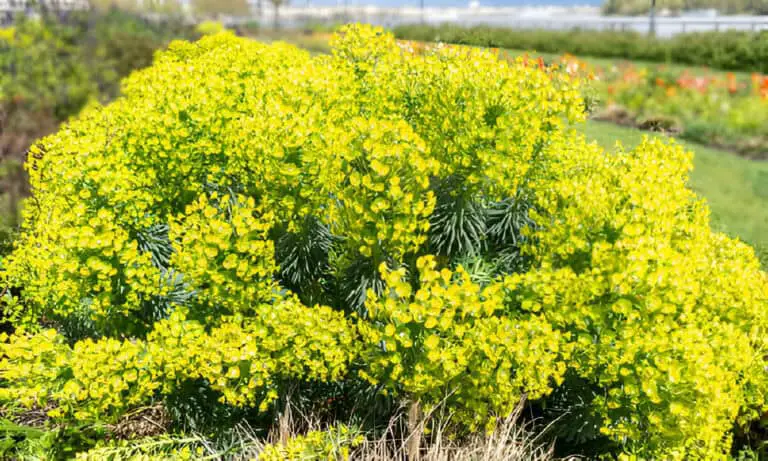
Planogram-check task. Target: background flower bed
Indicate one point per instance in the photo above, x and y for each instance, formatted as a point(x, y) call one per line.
point(712, 108)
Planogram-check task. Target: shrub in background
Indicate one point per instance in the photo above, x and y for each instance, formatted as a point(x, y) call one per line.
point(728, 50)
point(51, 67)
point(210, 28)
point(55, 66)
point(460, 245)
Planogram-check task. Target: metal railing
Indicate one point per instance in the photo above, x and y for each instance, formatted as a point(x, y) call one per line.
point(523, 18)
point(560, 18)
point(21, 6)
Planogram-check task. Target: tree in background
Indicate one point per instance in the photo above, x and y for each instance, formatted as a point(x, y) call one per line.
point(152, 6)
point(161, 6)
point(276, 4)
point(126, 5)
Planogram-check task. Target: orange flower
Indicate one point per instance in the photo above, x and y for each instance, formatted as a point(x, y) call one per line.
point(733, 85)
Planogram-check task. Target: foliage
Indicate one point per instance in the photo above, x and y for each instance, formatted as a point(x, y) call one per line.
point(168, 7)
point(55, 67)
point(25, 441)
point(150, 449)
point(729, 50)
point(460, 246)
point(734, 187)
point(241, 359)
point(657, 302)
point(32, 75)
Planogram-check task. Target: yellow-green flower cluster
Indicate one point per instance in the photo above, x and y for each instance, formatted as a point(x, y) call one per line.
point(447, 341)
point(7, 35)
point(333, 444)
point(665, 316)
point(384, 206)
point(81, 254)
point(223, 248)
point(300, 136)
point(482, 119)
point(241, 358)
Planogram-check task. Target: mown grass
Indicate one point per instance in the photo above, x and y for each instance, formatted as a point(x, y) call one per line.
point(735, 188)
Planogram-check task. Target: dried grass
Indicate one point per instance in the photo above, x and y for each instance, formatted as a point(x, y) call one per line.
point(512, 440)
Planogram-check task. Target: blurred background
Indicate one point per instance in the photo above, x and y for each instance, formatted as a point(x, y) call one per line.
point(672, 16)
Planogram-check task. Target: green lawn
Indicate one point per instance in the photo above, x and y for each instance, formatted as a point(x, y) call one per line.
point(735, 188)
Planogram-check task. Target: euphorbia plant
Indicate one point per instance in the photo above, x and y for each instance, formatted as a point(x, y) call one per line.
point(248, 215)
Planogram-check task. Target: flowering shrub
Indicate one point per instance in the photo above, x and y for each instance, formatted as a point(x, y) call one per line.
point(710, 109)
point(55, 66)
point(460, 245)
point(718, 109)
